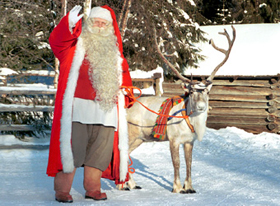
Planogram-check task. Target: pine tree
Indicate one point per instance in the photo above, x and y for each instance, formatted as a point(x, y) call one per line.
point(24, 30)
point(270, 11)
point(26, 26)
point(240, 11)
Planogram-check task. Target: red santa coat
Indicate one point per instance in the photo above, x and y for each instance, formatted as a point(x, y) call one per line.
point(68, 48)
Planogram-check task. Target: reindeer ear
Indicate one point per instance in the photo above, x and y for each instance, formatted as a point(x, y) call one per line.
point(209, 87)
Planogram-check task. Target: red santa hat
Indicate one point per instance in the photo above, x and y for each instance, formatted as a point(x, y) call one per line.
point(99, 12)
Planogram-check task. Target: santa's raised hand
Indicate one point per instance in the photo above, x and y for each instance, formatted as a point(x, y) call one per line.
point(74, 16)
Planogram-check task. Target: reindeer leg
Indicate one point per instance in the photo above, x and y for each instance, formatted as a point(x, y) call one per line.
point(131, 184)
point(132, 146)
point(174, 149)
point(188, 147)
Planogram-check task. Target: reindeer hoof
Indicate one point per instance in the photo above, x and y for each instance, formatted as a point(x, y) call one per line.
point(190, 191)
point(137, 187)
point(125, 189)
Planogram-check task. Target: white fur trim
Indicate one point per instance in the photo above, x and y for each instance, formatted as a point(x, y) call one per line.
point(123, 130)
point(67, 106)
point(99, 12)
point(123, 138)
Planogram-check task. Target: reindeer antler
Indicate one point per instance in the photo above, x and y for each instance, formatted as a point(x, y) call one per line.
point(184, 79)
point(226, 52)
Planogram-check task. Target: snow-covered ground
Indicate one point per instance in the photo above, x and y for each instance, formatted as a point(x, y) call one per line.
point(230, 167)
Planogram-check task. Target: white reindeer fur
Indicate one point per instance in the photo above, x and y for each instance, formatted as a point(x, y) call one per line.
point(199, 124)
point(198, 121)
point(66, 119)
point(141, 122)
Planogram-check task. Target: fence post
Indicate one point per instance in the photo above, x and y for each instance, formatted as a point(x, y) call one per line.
point(157, 77)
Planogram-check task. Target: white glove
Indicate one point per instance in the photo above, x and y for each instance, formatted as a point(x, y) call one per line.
point(73, 17)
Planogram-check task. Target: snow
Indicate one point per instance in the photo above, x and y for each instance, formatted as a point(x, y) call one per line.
point(29, 87)
point(41, 72)
point(17, 106)
point(230, 167)
point(254, 53)
point(6, 71)
point(192, 2)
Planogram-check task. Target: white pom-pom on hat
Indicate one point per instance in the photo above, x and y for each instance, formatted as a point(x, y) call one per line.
point(99, 12)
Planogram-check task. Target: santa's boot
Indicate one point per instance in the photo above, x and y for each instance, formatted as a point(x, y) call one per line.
point(62, 186)
point(92, 184)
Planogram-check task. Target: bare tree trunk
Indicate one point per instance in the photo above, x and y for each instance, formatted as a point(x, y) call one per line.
point(123, 20)
point(122, 12)
point(64, 7)
point(87, 8)
point(56, 74)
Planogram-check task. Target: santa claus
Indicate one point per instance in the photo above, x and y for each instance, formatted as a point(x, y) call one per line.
point(89, 126)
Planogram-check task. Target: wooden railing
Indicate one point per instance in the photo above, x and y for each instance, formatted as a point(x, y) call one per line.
point(25, 100)
point(34, 104)
point(154, 81)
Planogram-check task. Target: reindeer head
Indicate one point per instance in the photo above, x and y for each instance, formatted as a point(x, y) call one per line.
point(198, 92)
point(198, 95)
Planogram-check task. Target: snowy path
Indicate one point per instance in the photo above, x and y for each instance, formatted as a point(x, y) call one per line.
point(230, 167)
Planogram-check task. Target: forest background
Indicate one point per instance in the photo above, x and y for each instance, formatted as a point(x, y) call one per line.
point(25, 26)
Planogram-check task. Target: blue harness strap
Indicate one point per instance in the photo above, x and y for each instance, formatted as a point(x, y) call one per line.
point(169, 118)
point(181, 110)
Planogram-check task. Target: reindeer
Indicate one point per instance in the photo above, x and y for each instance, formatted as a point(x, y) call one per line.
point(142, 121)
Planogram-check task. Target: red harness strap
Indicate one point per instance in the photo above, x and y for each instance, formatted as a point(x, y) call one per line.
point(129, 91)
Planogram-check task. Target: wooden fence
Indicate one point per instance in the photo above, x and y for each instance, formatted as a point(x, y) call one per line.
point(249, 103)
point(43, 100)
point(20, 99)
point(154, 81)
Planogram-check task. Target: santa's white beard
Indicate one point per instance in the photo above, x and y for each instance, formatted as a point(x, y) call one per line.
point(101, 31)
point(102, 54)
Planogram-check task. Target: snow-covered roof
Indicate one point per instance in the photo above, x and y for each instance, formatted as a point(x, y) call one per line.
point(255, 51)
